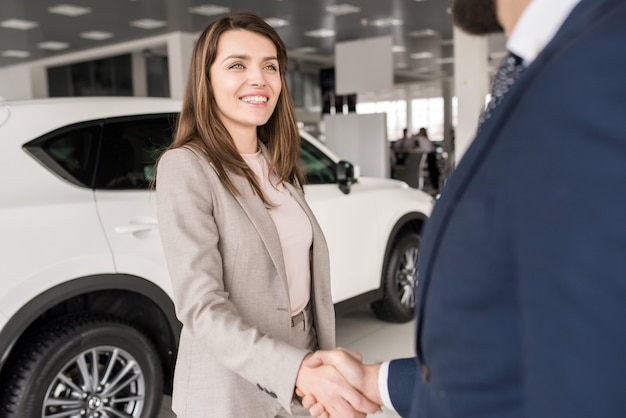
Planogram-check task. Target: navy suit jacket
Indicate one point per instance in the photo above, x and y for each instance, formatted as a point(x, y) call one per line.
point(522, 274)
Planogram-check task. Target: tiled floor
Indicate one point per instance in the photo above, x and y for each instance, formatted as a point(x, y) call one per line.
point(361, 331)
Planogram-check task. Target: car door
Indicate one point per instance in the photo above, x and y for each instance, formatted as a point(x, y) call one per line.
point(349, 222)
point(125, 200)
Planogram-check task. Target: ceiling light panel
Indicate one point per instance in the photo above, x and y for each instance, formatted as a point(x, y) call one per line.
point(18, 24)
point(342, 9)
point(305, 50)
point(398, 48)
point(96, 35)
point(390, 21)
point(423, 33)
point(69, 10)
point(14, 53)
point(320, 33)
point(446, 60)
point(276, 22)
point(53, 45)
point(422, 55)
point(148, 23)
point(209, 10)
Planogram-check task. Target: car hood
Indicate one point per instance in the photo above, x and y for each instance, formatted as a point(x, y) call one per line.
point(383, 183)
point(380, 183)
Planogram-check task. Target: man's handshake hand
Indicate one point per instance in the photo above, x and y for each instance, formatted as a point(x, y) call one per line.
point(363, 379)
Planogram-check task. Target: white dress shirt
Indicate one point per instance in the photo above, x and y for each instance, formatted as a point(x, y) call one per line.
point(533, 31)
point(537, 26)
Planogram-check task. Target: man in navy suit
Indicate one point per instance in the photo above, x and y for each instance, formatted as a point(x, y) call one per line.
point(522, 273)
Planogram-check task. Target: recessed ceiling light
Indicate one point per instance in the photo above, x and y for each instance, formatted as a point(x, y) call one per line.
point(320, 33)
point(446, 60)
point(96, 35)
point(69, 10)
point(423, 33)
point(19, 24)
point(304, 50)
point(342, 9)
point(390, 21)
point(276, 22)
point(398, 48)
point(421, 55)
point(209, 10)
point(53, 45)
point(14, 53)
point(148, 23)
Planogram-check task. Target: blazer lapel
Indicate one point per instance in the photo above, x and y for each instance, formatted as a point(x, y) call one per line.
point(262, 221)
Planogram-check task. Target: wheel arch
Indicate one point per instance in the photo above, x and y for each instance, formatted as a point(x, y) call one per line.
point(138, 301)
point(410, 221)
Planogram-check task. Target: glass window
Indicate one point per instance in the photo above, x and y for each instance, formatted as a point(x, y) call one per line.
point(158, 76)
point(129, 151)
point(59, 82)
point(395, 111)
point(69, 153)
point(428, 113)
point(74, 152)
point(317, 167)
point(103, 77)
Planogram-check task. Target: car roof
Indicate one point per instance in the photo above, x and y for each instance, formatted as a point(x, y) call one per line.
point(103, 106)
point(24, 119)
point(55, 101)
point(49, 113)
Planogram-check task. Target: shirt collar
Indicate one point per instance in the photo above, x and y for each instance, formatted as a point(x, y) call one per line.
point(537, 26)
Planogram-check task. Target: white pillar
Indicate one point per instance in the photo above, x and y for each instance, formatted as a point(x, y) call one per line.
point(446, 92)
point(179, 51)
point(471, 84)
point(409, 111)
point(140, 77)
point(23, 81)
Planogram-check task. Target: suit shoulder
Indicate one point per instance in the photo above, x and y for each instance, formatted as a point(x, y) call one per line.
point(182, 155)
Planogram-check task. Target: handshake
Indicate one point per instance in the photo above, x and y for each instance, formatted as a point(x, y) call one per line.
point(335, 383)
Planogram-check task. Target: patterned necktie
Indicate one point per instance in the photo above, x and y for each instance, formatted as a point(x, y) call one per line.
point(509, 70)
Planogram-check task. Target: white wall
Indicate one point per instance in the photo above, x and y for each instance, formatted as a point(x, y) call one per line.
point(16, 82)
point(360, 139)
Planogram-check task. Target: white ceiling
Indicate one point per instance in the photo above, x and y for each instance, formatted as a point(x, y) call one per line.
point(421, 29)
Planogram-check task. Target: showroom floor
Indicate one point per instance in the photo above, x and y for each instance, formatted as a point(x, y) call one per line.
point(361, 331)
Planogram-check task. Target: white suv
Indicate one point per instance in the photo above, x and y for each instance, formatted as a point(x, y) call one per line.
point(87, 325)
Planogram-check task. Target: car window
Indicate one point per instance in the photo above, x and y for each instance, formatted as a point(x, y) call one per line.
point(69, 152)
point(317, 167)
point(129, 150)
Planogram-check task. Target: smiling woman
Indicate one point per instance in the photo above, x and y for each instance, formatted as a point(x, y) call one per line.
point(247, 258)
point(246, 82)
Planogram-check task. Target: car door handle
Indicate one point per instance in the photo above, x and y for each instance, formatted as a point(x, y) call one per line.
point(140, 226)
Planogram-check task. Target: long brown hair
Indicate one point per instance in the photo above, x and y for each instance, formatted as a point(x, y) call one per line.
point(200, 126)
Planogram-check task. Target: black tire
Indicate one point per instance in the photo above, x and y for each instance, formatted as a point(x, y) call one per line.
point(398, 280)
point(92, 364)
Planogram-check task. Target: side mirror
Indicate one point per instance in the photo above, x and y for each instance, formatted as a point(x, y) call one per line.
point(345, 176)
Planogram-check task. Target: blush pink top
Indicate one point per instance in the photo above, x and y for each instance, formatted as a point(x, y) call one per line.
point(294, 230)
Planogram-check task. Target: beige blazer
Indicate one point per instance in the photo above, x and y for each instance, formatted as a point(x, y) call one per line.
point(235, 356)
